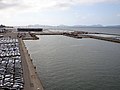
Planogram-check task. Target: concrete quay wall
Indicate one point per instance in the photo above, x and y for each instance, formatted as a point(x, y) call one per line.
point(35, 82)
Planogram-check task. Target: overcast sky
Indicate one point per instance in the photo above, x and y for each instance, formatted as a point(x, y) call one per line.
point(57, 12)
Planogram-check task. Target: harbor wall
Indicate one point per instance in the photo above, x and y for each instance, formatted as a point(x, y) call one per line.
point(35, 80)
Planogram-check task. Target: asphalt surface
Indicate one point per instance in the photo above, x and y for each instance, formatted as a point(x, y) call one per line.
point(26, 74)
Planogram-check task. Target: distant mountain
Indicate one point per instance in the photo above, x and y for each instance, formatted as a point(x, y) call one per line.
point(98, 25)
point(37, 25)
point(90, 26)
point(117, 26)
point(75, 26)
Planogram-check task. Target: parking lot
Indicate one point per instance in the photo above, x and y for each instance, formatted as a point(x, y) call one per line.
point(11, 72)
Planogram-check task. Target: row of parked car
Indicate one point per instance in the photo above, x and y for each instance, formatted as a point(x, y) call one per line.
point(11, 72)
point(2, 30)
point(8, 40)
point(9, 49)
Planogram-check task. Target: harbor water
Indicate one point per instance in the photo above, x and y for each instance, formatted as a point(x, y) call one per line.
point(65, 63)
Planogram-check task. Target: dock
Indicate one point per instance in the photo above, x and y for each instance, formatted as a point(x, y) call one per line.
point(35, 82)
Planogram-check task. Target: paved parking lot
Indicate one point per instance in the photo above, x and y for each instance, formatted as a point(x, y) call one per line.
point(15, 61)
point(11, 71)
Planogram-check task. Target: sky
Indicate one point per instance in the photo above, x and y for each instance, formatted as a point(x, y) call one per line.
point(59, 12)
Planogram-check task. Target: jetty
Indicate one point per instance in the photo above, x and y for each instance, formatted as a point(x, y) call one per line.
point(110, 39)
point(33, 80)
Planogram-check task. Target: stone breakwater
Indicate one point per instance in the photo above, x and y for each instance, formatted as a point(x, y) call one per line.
point(80, 35)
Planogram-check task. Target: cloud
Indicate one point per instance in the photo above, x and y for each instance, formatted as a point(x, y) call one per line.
point(118, 15)
point(4, 4)
point(94, 1)
point(8, 7)
point(15, 8)
point(47, 4)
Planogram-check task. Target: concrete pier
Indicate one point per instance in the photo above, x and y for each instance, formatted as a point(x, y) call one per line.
point(34, 81)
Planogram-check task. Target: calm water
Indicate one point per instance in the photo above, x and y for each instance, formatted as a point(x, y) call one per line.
point(65, 63)
point(100, 30)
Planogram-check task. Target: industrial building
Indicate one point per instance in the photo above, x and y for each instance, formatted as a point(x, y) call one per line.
point(29, 29)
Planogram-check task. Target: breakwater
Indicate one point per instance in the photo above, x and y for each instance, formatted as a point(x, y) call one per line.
point(73, 34)
point(111, 39)
point(82, 34)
